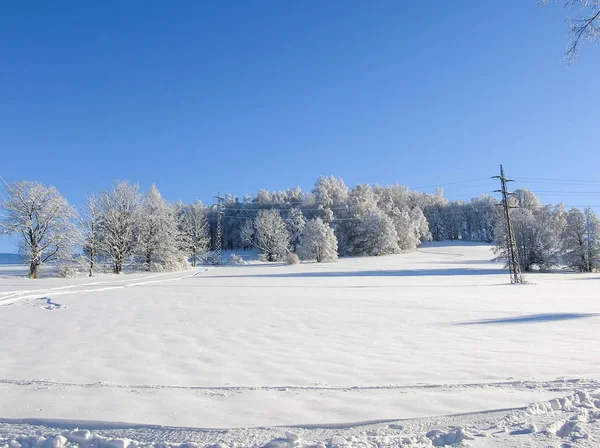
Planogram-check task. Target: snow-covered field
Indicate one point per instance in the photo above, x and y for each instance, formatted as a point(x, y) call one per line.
point(340, 352)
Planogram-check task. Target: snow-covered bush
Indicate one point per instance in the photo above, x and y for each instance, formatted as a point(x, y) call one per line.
point(292, 258)
point(66, 271)
point(237, 259)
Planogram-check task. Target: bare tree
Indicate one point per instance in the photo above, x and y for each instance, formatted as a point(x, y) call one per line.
point(584, 27)
point(43, 219)
point(118, 214)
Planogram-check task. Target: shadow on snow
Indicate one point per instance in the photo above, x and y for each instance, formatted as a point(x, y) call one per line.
point(531, 318)
point(379, 273)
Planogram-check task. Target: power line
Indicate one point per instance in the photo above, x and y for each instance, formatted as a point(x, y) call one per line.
point(449, 183)
point(568, 193)
point(558, 181)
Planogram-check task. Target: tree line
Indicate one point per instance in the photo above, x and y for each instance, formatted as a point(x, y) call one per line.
point(122, 226)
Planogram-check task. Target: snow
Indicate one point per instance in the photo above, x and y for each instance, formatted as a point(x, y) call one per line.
point(343, 350)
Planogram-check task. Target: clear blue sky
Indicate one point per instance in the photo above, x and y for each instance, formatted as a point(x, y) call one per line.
point(201, 97)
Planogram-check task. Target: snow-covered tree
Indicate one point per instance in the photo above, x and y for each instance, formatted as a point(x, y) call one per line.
point(537, 231)
point(362, 228)
point(268, 233)
point(374, 235)
point(481, 214)
point(330, 192)
point(584, 27)
point(263, 197)
point(592, 225)
point(43, 220)
point(581, 240)
point(411, 228)
point(295, 224)
point(194, 230)
point(157, 234)
point(574, 241)
point(89, 223)
point(118, 222)
point(318, 242)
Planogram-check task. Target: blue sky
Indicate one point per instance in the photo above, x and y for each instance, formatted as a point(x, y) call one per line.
point(201, 97)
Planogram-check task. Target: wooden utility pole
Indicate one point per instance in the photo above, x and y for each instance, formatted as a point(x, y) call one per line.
point(511, 245)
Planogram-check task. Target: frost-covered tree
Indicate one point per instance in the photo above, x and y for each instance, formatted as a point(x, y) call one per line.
point(295, 223)
point(481, 216)
point(374, 235)
point(581, 240)
point(593, 236)
point(268, 233)
point(157, 234)
point(194, 230)
point(592, 225)
point(574, 241)
point(43, 220)
point(404, 208)
point(318, 242)
point(330, 193)
point(537, 231)
point(468, 221)
point(263, 197)
point(584, 27)
point(89, 223)
point(118, 223)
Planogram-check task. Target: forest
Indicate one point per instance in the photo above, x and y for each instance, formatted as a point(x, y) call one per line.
point(124, 227)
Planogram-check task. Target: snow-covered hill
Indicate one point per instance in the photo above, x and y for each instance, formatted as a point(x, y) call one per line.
point(413, 336)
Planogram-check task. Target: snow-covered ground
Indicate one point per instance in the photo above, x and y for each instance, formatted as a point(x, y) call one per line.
point(325, 348)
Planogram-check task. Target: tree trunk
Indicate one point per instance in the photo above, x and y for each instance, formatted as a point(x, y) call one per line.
point(33, 269)
point(91, 267)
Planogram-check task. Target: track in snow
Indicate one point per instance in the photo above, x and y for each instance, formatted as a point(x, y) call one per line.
point(568, 421)
point(10, 297)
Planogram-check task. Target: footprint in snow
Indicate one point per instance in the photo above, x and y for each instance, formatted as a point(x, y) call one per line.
point(50, 305)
